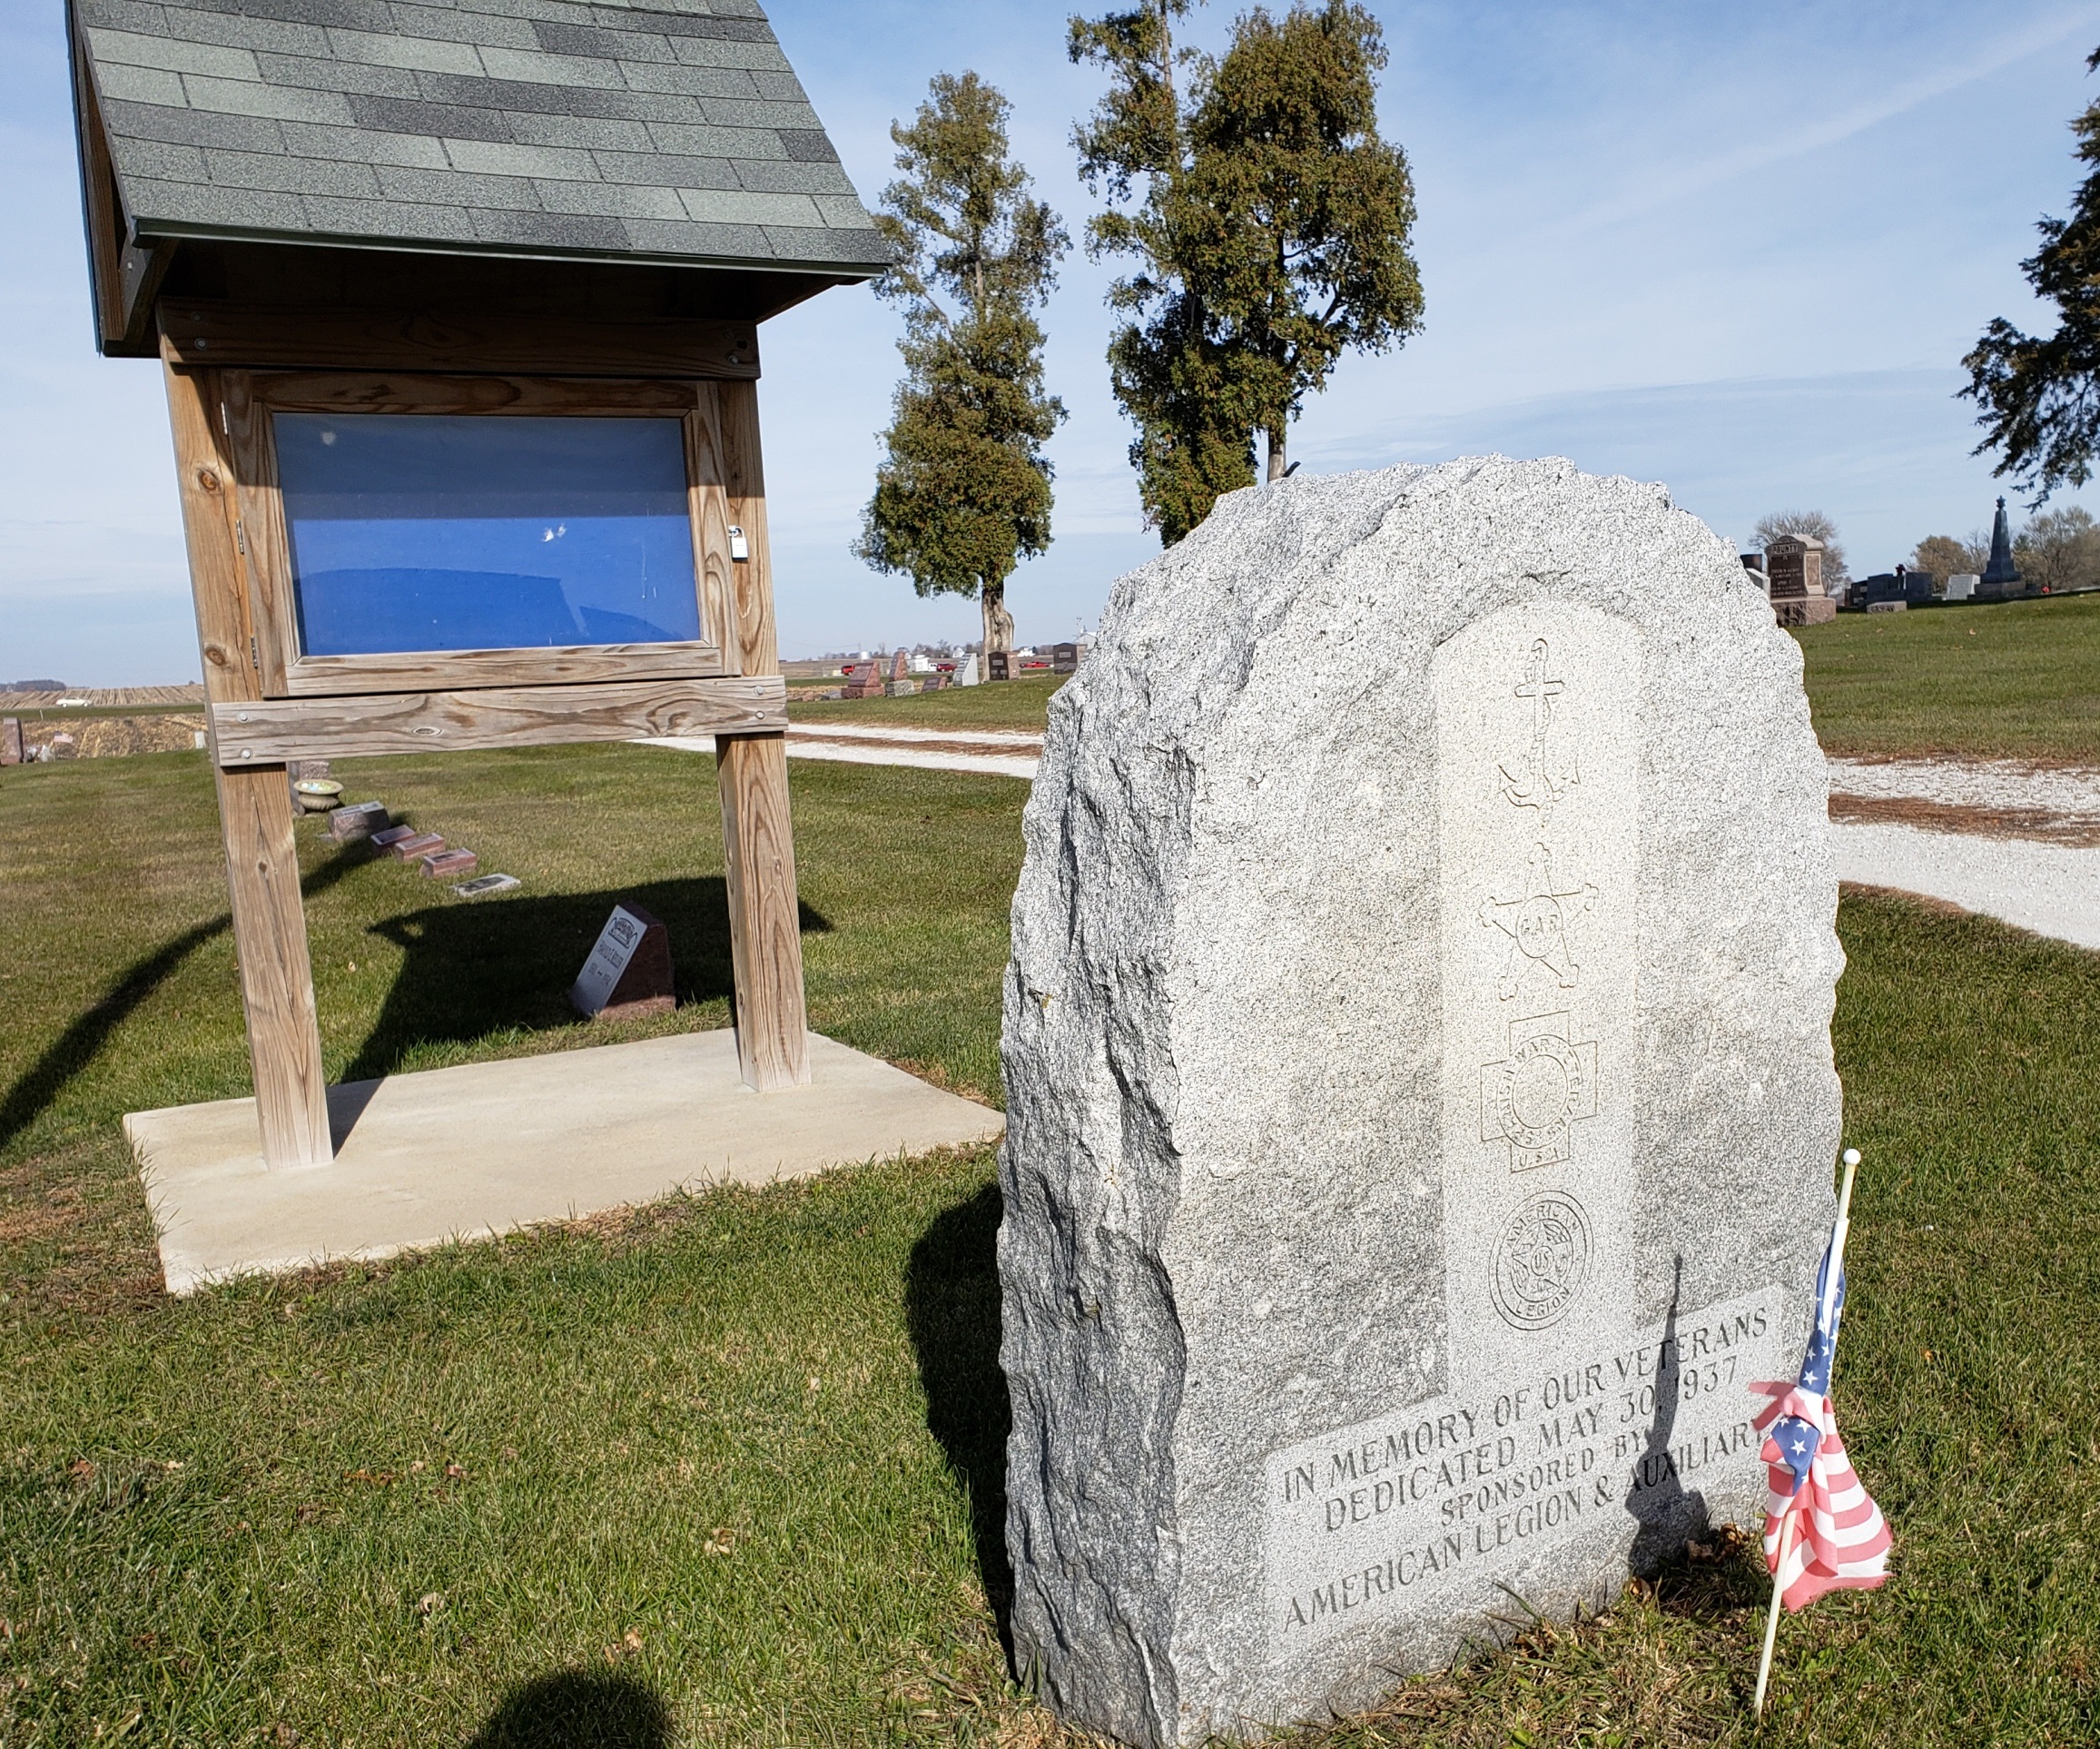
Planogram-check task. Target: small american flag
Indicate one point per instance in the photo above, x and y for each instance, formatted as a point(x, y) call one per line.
point(1841, 1539)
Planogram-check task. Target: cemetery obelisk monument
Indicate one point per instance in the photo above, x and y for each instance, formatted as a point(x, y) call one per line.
point(1419, 1087)
point(2001, 575)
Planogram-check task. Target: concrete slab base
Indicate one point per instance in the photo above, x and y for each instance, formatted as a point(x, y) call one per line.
point(487, 1148)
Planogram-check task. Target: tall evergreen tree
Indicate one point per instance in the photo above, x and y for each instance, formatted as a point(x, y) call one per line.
point(1171, 374)
point(2039, 397)
point(1270, 223)
point(965, 489)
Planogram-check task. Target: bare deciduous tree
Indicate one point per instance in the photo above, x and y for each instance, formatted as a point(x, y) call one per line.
point(1807, 525)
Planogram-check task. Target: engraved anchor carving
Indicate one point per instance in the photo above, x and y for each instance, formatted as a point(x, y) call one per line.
point(1536, 922)
point(1540, 781)
point(1535, 1096)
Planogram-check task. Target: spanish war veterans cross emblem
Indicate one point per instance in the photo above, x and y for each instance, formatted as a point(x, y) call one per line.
point(1535, 1096)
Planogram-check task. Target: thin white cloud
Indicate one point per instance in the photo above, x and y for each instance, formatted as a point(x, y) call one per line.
point(1781, 145)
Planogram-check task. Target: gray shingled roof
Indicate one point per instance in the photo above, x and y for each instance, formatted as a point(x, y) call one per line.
point(671, 131)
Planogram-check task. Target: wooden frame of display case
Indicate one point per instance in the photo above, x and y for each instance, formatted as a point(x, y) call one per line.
point(227, 367)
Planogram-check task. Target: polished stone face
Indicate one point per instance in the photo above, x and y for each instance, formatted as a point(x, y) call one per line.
point(1419, 1087)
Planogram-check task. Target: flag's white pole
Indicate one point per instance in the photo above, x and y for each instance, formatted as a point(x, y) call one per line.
point(1772, 1619)
point(1838, 1234)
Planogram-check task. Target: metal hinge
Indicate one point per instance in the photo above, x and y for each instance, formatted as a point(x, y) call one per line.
point(254, 657)
point(239, 534)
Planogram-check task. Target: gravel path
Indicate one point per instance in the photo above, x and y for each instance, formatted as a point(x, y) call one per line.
point(994, 753)
point(1998, 860)
point(2051, 889)
point(2039, 877)
point(1993, 784)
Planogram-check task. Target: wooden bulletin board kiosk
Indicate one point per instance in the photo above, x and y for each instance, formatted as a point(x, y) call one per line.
point(459, 325)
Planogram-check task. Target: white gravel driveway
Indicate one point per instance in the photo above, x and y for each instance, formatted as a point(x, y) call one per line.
point(2015, 842)
point(2018, 842)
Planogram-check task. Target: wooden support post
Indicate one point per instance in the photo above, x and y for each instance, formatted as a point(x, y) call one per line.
point(765, 913)
point(254, 804)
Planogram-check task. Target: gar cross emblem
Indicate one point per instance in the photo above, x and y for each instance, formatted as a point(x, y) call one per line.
point(1538, 783)
point(1536, 922)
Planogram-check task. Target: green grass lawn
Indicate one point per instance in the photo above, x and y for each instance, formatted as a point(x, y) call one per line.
point(2010, 680)
point(728, 1470)
point(2007, 680)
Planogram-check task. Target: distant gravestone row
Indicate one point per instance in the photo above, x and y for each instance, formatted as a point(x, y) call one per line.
point(1419, 1087)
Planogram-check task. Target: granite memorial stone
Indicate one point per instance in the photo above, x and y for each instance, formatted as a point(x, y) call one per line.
point(1420, 1095)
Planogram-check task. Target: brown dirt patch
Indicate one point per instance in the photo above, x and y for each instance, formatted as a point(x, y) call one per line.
point(2041, 825)
point(112, 738)
point(75, 1236)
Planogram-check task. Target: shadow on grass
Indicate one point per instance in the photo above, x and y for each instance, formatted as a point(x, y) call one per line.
point(951, 1310)
point(74, 1050)
point(499, 965)
point(578, 1709)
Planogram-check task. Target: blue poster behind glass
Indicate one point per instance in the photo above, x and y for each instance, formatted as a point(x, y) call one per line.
point(414, 531)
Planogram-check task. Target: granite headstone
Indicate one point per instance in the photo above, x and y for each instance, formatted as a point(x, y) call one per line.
point(628, 974)
point(359, 821)
point(1420, 1094)
point(1795, 566)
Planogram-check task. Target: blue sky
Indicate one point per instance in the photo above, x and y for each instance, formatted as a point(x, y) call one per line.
point(1739, 250)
